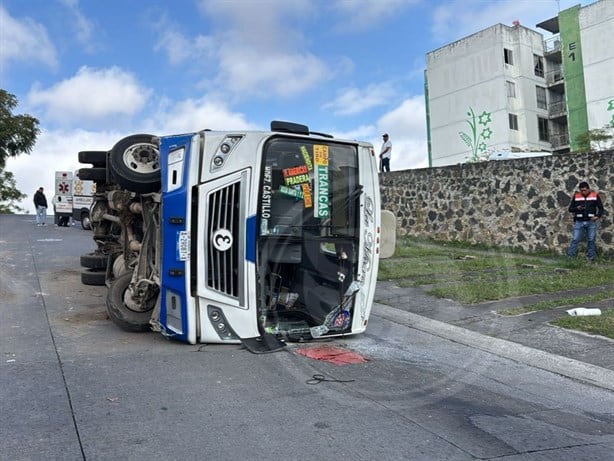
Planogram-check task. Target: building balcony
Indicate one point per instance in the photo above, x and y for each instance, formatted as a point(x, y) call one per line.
point(557, 109)
point(554, 76)
point(559, 141)
point(552, 45)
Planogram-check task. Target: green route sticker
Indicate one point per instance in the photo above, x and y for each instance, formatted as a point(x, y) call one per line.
point(320, 157)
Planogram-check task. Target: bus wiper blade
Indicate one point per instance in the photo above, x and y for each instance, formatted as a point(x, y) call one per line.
point(355, 193)
point(358, 190)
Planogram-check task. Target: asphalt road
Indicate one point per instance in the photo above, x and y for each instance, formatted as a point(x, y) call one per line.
point(75, 387)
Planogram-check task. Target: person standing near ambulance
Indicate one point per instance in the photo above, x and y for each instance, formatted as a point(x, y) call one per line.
point(587, 209)
point(40, 202)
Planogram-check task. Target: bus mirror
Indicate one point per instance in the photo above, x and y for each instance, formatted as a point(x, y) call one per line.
point(389, 235)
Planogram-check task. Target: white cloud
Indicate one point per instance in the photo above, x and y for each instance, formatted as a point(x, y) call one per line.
point(82, 25)
point(265, 23)
point(359, 15)
point(92, 95)
point(362, 132)
point(180, 48)
point(246, 72)
point(262, 50)
point(24, 41)
point(192, 115)
point(406, 126)
point(355, 100)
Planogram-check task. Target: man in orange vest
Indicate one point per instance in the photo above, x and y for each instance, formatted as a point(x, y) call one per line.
point(587, 209)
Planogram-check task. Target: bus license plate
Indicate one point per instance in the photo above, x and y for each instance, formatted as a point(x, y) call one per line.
point(183, 245)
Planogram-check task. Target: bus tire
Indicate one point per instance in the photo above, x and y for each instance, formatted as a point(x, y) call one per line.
point(135, 163)
point(119, 266)
point(95, 277)
point(97, 158)
point(94, 261)
point(86, 223)
point(120, 314)
point(93, 174)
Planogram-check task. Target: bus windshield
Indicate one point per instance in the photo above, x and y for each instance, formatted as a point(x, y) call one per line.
point(307, 246)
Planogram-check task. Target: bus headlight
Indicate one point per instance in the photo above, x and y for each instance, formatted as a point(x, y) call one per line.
point(174, 178)
point(220, 324)
point(224, 149)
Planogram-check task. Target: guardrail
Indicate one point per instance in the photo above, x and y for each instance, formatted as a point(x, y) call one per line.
point(552, 44)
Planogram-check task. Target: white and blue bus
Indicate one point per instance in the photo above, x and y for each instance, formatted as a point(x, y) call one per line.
point(237, 236)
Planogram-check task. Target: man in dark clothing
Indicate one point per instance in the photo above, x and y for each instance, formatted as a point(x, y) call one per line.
point(385, 154)
point(40, 202)
point(587, 209)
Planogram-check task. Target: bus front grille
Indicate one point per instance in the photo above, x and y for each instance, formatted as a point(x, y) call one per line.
point(224, 237)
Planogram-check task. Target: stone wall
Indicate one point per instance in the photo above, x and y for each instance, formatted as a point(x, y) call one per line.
point(519, 203)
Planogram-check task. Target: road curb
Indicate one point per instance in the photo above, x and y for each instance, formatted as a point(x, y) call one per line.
point(574, 369)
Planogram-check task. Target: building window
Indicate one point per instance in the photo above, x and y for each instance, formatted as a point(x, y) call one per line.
point(541, 97)
point(511, 89)
point(508, 56)
point(542, 127)
point(538, 62)
point(513, 119)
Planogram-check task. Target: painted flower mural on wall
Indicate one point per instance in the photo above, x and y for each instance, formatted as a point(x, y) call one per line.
point(479, 132)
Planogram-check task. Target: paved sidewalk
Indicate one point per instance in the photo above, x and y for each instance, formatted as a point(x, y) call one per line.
point(532, 330)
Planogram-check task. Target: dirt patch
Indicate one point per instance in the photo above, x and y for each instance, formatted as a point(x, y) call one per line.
point(64, 274)
point(86, 315)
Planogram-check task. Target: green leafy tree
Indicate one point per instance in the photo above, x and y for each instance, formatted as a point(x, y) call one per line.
point(17, 136)
point(596, 139)
point(9, 193)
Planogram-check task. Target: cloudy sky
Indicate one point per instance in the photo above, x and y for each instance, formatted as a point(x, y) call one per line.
point(94, 71)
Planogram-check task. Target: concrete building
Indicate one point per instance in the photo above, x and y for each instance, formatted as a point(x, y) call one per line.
point(509, 89)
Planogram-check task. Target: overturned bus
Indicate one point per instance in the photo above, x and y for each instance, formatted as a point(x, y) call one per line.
point(253, 237)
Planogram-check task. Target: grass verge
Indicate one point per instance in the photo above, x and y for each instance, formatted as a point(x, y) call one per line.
point(598, 324)
point(472, 274)
point(559, 302)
